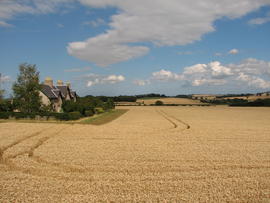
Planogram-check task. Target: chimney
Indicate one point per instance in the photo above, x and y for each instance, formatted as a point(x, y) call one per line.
point(68, 84)
point(60, 83)
point(48, 81)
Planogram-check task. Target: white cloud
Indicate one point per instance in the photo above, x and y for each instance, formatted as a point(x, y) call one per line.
point(219, 71)
point(250, 72)
point(157, 21)
point(12, 8)
point(60, 25)
point(165, 75)
point(103, 52)
point(93, 79)
point(254, 81)
point(78, 69)
point(141, 82)
point(218, 54)
point(260, 21)
point(162, 23)
point(4, 24)
point(5, 78)
point(198, 68)
point(252, 66)
point(112, 79)
point(233, 51)
point(200, 82)
point(95, 23)
point(184, 52)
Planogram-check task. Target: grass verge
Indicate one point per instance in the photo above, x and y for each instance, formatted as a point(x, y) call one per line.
point(105, 117)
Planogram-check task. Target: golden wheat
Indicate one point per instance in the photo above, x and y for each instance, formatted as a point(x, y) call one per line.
point(150, 154)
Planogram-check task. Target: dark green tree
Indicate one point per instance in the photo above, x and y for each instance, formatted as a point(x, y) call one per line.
point(159, 103)
point(26, 89)
point(1, 94)
point(1, 90)
point(109, 104)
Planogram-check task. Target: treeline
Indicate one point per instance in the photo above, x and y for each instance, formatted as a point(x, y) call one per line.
point(239, 102)
point(256, 103)
point(235, 95)
point(88, 106)
point(133, 98)
point(125, 98)
point(187, 96)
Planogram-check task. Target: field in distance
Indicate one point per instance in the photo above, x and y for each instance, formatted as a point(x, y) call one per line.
point(149, 154)
point(169, 100)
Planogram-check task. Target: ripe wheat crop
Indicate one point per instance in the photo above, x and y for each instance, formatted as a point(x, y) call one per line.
point(149, 154)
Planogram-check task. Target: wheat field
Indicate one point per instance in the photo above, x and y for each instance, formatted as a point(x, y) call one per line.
point(170, 100)
point(149, 154)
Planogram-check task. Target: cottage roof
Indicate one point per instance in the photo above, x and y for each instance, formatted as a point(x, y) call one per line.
point(64, 90)
point(73, 94)
point(51, 92)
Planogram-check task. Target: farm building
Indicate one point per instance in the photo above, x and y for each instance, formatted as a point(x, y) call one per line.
point(203, 96)
point(55, 95)
point(263, 94)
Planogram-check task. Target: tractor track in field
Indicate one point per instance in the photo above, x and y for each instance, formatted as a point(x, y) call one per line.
point(168, 119)
point(30, 151)
point(173, 120)
point(16, 142)
point(13, 165)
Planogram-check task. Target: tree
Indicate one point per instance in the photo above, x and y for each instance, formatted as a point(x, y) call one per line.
point(26, 89)
point(1, 94)
point(1, 90)
point(159, 103)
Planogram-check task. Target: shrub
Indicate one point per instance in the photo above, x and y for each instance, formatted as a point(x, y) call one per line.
point(4, 115)
point(159, 103)
point(89, 113)
point(61, 116)
point(99, 110)
point(18, 115)
point(6, 105)
point(74, 115)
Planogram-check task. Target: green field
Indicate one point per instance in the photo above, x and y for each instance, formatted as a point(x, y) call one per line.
point(104, 117)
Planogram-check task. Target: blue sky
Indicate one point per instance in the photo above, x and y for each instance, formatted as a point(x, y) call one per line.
point(126, 47)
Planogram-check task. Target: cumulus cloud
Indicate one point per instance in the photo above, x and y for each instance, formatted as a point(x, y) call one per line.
point(104, 52)
point(200, 82)
point(5, 78)
point(218, 54)
point(254, 81)
point(4, 24)
point(141, 82)
point(260, 21)
point(250, 72)
point(10, 9)
point(60, 25)
point(165, 75)
point(95, 23)
point(156, 21)
point(162, 23)
point(233, 51)
point(184, 52)
point(252, 66)
point(219, 71)
point(198, 68)
point(93, 79)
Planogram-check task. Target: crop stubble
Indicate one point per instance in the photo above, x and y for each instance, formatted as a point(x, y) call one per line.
point(192, 154)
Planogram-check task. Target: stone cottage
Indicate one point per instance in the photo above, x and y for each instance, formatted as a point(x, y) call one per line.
point(56, 95)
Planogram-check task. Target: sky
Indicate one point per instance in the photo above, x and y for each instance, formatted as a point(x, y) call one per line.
point(127, 47)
